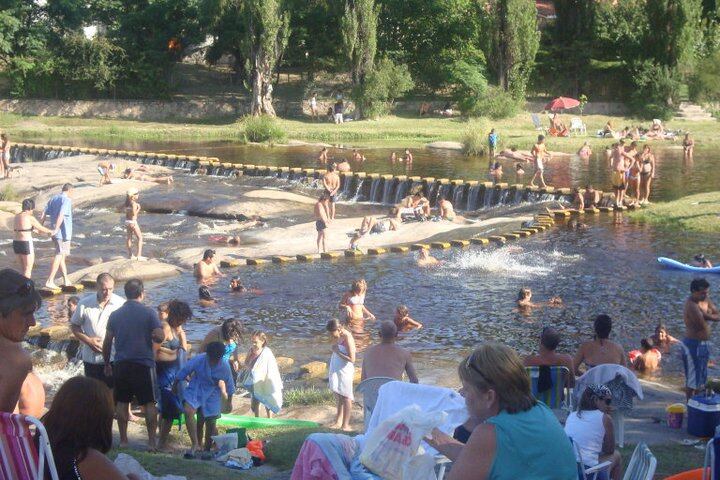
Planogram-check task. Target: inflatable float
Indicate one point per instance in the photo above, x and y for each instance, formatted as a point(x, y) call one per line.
point(229, 420)
point(670, 263)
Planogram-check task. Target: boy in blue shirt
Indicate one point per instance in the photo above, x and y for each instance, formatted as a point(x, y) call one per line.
point(492, 143)
point(210, 382)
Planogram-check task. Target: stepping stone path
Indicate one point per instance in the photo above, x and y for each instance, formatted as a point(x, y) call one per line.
point(690, 111)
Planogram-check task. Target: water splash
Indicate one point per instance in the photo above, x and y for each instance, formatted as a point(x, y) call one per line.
point(511, 261)
point(53, 377)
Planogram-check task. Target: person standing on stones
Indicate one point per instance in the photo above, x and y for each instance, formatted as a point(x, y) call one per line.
point(59, 210)
point(322, 220)
point(135, 328)
point(331, 182)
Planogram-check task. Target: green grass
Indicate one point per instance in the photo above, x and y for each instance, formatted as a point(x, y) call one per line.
point(390, 131)
point(8, 193)
point(671, 459)
point(696, 213)
point(308, 396)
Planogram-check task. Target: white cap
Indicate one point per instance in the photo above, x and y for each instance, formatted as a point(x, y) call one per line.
point(132, 191)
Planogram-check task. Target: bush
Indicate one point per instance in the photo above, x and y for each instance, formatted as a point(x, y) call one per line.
point(657, 88)
point(705, 83)
point(497, 104)
point(469, 86)
point(389, 81)
point(474, 137)
point(262, 128)
point(8, 194)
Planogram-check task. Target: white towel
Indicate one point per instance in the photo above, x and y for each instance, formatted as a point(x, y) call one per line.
point(266, 383)
point(394, 396)
point(341, 374)
point(603, 374)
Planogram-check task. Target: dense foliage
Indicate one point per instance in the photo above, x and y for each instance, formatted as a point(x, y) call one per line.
point(487, 54)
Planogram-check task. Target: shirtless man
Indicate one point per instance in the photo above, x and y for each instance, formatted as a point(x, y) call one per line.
point(331, 182)
point(699, 310)
point(699, 260)
point(548, 356)
point(591, 197)
point(408, 156)
point(105, 168)
point(129, 174)
point(18, 303)
point(420, 202)
point(426, 260)
point(323, 157)
point(207, 268)
point(343, 166)
point(377, 226)
point(617, 158)
point(32, 397)
point(539, 153)
point(445, 210)
point(387, 359)
point(322, 220)
point(357, 156)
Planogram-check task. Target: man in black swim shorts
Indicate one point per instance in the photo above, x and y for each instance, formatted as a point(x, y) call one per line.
point(331, 182)
point(322, 220)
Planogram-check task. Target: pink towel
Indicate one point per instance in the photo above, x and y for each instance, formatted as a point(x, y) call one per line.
point(18, 455)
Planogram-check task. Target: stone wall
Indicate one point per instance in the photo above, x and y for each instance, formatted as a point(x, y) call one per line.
point(592, 108)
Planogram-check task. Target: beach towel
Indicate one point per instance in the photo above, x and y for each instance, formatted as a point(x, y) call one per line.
point(394, 396)
point(341, 374)
point(264, 381)
point(128, 465)
point(326, 456)
point(606, 374)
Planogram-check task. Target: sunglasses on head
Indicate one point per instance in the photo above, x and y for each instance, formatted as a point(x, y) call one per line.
point(469, 363)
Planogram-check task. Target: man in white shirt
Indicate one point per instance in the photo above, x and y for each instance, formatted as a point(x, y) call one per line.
point(89, 324)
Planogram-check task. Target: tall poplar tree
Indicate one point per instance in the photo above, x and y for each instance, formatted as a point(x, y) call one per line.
point(359, 30)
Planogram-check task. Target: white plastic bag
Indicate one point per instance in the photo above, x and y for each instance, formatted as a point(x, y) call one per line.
point(127, 465)
point(395, 441)
point(226, 442)
point(420, 467)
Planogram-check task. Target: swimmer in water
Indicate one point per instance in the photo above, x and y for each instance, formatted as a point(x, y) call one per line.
point(699, 260)
point(236, 286)
point(353, 302)
point(524, 300)
point(402, 320)
point(647, 358)
point(207, 268)
point(662, 339)
point(204, 296)
point(425, 259)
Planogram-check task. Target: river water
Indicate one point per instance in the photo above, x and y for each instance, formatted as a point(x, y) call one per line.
point(609, 268)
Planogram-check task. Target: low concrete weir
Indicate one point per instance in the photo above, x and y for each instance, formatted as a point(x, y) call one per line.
point(466, 195)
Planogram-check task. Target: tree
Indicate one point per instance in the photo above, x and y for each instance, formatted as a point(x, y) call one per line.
point(267, 36)
point(359, 29)
point(227, 23)
point(672, 37)
point(571, 42)
point(313, 44)
point(510, 41)
point(382, 86)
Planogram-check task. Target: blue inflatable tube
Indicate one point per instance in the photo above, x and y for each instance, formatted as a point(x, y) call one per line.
point(670, 263)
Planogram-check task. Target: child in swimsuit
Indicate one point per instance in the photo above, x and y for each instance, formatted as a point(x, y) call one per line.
point(402, 320)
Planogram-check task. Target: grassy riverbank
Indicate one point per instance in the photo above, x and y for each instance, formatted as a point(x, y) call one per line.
point(391, 131)
point(695, 213)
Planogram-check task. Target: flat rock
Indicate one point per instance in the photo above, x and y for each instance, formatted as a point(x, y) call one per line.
point(446, 145)
point(314, 370)
point(125, 269)
point(285, 363)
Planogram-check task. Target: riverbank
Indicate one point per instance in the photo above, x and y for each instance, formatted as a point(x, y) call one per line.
point(390, 131)
point(695, 213)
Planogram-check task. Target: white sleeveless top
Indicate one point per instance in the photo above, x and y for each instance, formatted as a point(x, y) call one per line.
point(587, 432)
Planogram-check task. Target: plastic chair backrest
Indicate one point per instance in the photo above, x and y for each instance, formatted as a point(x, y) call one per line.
point(536, 120)
point(369, 390)
point(576, 124)
point(642, 464)
point(556, 396)
point(20, 459)
point(711, 466)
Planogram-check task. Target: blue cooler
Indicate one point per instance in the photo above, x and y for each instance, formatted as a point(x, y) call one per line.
point(703, 415)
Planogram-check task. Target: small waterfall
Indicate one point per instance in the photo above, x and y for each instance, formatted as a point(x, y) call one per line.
point(345, 186)
point(489, 198)
point(547, 197)
point(473, 202)
point(402, 190)
point(504, 194)
point(533, 197)
point(387, 196)
point(358, 190)
point(374, 186)
point(214, 171)
point(284, 175)
point(519, 195)
point(226, 172)
point(457, 194)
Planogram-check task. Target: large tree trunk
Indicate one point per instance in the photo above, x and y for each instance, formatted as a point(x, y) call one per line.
point(261, 87)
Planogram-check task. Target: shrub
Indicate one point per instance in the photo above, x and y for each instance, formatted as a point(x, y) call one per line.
point(469, 86)
point(657, 88)
point(262, 128)
point(474, 137)
point(8, 194)
point(497, 104)
point(387, 82)
point(705, 83)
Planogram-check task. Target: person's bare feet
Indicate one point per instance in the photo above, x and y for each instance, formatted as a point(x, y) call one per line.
point(334, 426)
point(133, 418)
point(348, 429)
point(51, 285)
point(124, 444)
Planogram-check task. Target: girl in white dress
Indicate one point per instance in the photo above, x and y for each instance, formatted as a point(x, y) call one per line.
point(341, 372)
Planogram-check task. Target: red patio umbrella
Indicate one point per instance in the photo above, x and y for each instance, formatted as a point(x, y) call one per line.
point(562, 103)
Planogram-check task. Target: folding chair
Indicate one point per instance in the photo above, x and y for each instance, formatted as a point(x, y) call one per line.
point(712, 457)
point(591, 473)
point(536, 122)
point(577, 126)
point(20, 459)
point(369, 390)
point(642, 464)
point(559, 395)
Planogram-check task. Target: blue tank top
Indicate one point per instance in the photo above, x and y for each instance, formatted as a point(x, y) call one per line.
point(229, 350)
point(531, 445)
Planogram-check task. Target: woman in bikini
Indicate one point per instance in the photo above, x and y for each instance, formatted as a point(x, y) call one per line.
point(634, 177)
point(647, 173)
point(23, 225)
point(353, 302)
point(132, 209)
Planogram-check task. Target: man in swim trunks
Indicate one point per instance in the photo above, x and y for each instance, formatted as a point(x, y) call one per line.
point(207, 268)
point(344, 166)
point(617, 158)
point(322, 220)
point(377, 226)
point(699, 310)
point(331, 182)
point(59, 210)
point(591, 197)
point(539, 152)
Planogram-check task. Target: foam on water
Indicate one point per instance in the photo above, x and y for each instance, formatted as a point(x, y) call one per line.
point(509, 261)
point(53, 377)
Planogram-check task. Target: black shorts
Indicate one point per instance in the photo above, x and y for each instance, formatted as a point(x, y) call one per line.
point(333, 198)
point(97, 371)
point(320, 225)
point(22, 247)
point(134, 380)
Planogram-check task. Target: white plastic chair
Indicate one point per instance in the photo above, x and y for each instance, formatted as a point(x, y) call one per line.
point(642, 464)
point(593, 472)
point(577, 126)
point(709, 472)
point(369, 390)
point(26, 461)
point(536, 122)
